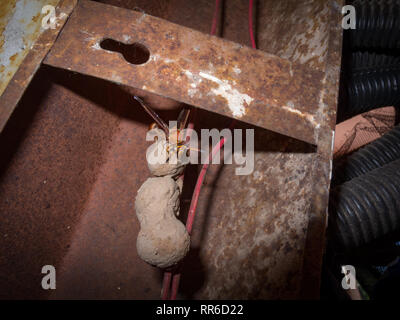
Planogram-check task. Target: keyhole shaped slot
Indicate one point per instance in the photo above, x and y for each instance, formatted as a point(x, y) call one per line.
point(135, 53)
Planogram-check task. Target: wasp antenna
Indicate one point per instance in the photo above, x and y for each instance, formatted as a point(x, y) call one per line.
point(183, 118)
point(154, 115)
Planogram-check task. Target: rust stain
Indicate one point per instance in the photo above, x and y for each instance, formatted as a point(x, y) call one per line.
point(35, 19)
point(13, 57)
point(219, 76)
point(6, 8)
point(29, 31)
point(27, 63)
point(259, 236)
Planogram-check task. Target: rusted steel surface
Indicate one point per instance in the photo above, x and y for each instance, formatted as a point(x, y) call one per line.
point(263, 235)
point(31, 57)
point(249, 233)
point(52, 148)
point(20, 26)
point(312, 37)
point(322, 166)
point(71, 166)
point(194, 68)
point(76, 157)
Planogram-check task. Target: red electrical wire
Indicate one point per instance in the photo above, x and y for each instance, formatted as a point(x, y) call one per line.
point(192, 210)
point(253, 42)
point(175, 285)
point(166, 285)
point(168, 274)
point(199, 184)
point(196, 193)
point(215, 18)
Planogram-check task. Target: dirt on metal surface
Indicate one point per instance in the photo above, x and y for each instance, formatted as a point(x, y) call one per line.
point(52, 147)
point(194, 68)
point(76, 157)
point(279, 255)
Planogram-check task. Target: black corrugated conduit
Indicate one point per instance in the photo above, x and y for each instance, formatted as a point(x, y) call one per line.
point(365, 208)
point(367, 91)
point(373, 82)
point(364, 201)
point(373, 79)
point(377, 24)
point(372, 156)
point(367, 62)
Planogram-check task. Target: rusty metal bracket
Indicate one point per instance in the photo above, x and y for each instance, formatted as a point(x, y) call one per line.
point(191, 67)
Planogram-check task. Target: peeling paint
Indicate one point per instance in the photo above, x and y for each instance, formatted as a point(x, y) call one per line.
point(224, 89)
point(237, 70)
point(236, 100)
point(20, 26)
point(96, 46)
point(290, 107)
